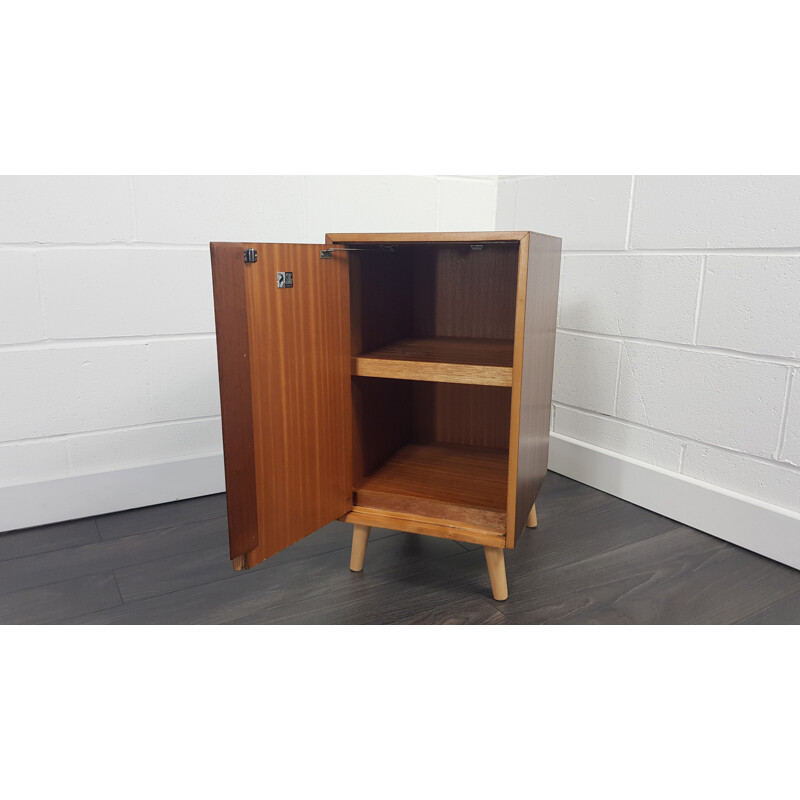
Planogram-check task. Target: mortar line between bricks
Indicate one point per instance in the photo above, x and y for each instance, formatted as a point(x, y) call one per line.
point(687, 251)
point(109, 245)
point(123, 429)
point(678, 436)
point(105, 341)
point(785, 414)
point(700, 286)
point(630, 213)
point(686, 347)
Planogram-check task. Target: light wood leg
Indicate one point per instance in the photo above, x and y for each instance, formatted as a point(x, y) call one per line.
point(532, 521)
point(496, 561)
point(360, 537)
point(240, 562)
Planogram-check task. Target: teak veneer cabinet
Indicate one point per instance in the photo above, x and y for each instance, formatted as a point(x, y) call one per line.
point(399, 380)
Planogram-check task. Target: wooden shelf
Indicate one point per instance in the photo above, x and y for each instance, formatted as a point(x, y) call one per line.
point(446, 482)
point(443, 359)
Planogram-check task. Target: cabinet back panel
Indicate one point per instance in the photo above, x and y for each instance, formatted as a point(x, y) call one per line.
point(463, 292)
point(462, 414)
point(422, 291)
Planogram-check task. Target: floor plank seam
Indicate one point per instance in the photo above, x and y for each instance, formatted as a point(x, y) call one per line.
point(743, 620)
point(159, 528)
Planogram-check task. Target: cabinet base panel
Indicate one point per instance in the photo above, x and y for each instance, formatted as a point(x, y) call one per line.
point(444, 529)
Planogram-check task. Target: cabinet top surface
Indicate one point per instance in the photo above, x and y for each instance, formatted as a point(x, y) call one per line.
point(465, 236)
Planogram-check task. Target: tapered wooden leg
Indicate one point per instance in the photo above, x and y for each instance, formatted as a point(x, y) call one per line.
point(532, 521)
point(495, 560)
point(360, 537)
point(240, 562)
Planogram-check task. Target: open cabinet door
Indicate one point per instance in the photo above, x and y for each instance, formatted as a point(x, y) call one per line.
point(283, 348)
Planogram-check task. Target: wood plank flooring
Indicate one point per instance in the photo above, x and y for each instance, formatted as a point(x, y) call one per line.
point(593, 559)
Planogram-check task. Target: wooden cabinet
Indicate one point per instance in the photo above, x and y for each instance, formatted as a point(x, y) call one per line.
point(398, 380)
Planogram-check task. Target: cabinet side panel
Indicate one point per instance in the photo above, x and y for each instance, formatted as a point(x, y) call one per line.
point(532, 392)
point(233, 359)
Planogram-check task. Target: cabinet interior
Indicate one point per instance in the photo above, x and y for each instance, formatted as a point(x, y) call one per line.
point(432, 329)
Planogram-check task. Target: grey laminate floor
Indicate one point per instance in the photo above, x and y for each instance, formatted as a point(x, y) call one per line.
point(593, 559)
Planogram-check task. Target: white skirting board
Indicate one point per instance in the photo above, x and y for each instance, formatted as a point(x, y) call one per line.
point(28, 504)
point(764, 528)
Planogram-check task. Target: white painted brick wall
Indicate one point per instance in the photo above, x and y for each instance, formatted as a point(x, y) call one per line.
point(66, 209)
point(721, 399)
point(763, 479)
point(69, 389)
point(716, 212)
point(612, 434)
point(200, 209)
point(697, 280)
point(107, 352)
point(587, 212)
point(585, 372)
point(791, 443)
point(21, 318)
point(752, 304)
point(645, 297)
point(125, 292)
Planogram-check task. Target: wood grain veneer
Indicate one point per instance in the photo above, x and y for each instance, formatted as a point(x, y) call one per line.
point(458, 483)
point(461, 414)
point(442, 359)
point(463, 292)
point(413, 523)
point(298, 398)
point(532, 387)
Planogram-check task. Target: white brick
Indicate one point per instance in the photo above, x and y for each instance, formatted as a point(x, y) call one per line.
point(467, 204)
point(619, 437)
point(66, 390)
point(65, 209)
point(585, 372)
point(372, 203)
point(96, 452)
point(719, 399)
point(791, 441)
point(183, 378)
point(506, 214)
point(28, 462)
point(771, 483)
point(20, 304)
point(198, 210)
point(752, 303)
point(647, 297)
point(589, 212)
point(113, 292)
point(720, 211)
point(611, 434)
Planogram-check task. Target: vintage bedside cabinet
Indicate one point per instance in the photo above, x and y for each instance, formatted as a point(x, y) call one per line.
point(398, 380)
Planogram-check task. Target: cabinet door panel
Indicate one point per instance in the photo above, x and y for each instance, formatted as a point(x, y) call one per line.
point(284, 363)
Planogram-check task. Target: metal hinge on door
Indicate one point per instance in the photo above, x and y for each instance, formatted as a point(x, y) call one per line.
point(250, 256)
